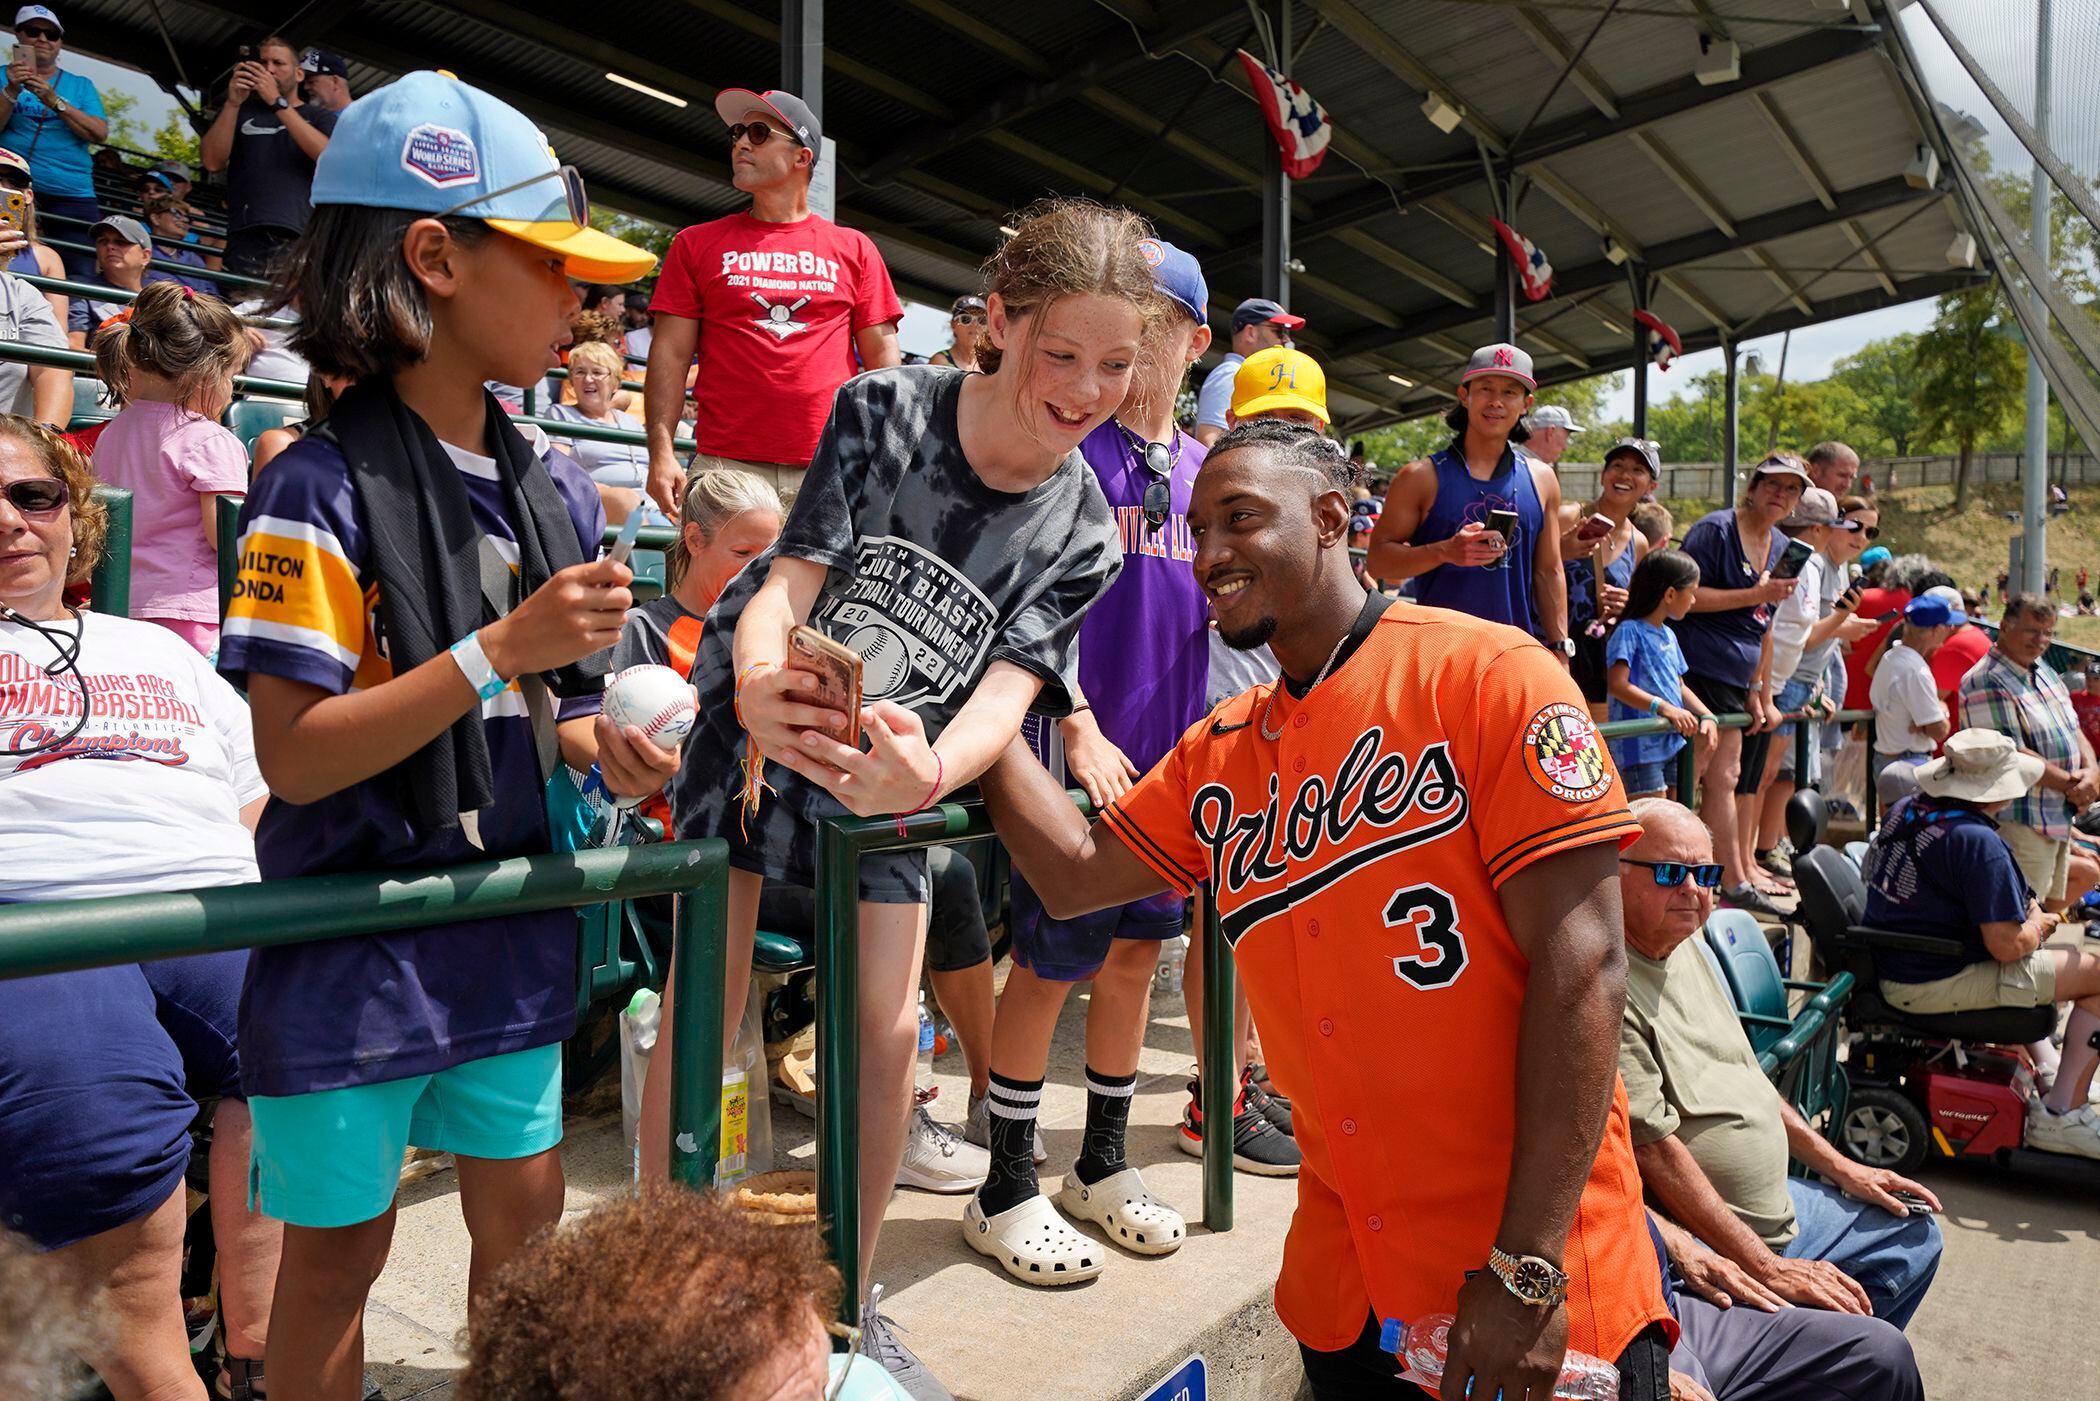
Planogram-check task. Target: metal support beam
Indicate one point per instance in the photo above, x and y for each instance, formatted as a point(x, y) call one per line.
point(1640, 361)
point(1676, 253)
point(802, 51)
point(1731, 420)
point(1275, 185)
point(2034, 471)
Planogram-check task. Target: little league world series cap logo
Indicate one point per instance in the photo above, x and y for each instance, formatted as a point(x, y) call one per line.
point(1563, 754)
point(441, 155)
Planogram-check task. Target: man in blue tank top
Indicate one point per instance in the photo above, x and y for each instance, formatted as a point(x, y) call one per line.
point(1476, 525)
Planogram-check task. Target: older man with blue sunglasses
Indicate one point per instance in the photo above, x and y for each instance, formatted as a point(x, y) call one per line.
point(1711, 1134)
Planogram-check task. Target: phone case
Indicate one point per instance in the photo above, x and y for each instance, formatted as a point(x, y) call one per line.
point(14, 210)
point(1792, 560)
point(837, 668)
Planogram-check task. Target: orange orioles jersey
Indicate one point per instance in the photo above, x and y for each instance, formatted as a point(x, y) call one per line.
point(1355, 861)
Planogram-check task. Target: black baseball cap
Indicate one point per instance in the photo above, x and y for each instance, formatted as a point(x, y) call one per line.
point(733, 104)
point(323, 62)
point(968, 301)
point(1260, 311)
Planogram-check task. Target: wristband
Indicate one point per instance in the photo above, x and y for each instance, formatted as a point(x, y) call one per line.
point(736, 694)
point(940, 772)
point(1655, 705)
point(474, 665)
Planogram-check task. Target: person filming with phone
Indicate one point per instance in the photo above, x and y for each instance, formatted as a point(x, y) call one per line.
point(266, 138)
point(1477, 525)
point(51, 117)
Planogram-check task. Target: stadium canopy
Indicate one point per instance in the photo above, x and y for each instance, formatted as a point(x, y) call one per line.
point(1734, 167)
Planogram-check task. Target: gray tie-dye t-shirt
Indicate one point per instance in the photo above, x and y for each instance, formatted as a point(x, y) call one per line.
point(932, 577)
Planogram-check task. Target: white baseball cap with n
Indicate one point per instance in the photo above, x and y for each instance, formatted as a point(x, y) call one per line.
point(430, 144)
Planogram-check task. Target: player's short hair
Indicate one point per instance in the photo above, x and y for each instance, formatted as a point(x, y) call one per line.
point(1296, 444)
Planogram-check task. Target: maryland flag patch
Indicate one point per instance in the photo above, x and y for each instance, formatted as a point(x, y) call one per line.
point(1564, 755)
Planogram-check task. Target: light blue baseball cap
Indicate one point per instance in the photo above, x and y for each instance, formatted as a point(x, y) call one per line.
point(429, 143)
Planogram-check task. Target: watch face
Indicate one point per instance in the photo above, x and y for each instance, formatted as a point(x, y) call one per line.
point(1534, 1277)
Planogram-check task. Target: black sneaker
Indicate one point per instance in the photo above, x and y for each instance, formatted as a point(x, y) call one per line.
point(1257, 1146)
point(1275, 1108)
point(1748, 897)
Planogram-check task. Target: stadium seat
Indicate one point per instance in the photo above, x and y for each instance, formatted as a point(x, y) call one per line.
point(648, 568)
point(1750, 972)
point(1856, 853)
point(251, 418)
point(1807, 817)
point(88, 408)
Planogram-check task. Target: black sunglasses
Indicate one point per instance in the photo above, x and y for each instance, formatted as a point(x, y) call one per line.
point(38, 496)
point(760, 133)
point(1872, 532)
point(1158, 502)
point(38, 32)
point(1672, 873)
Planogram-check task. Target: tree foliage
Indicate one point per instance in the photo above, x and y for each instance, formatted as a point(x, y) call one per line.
point(1971, 376)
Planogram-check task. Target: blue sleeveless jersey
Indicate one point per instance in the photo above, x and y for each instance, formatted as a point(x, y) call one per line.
point(1501, 594)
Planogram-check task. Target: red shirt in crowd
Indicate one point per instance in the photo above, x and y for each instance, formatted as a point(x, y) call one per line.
point(1887, 605)
point(778, 307)
point(2088, 707)
point(1968, 646)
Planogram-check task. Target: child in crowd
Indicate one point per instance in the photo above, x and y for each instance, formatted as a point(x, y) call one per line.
point(950, 533)
point(1652, 519)
point(1646, 672)
point(415, 601)
point(169, 368)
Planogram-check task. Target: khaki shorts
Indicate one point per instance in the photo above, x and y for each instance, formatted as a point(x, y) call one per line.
point(2026, 982)
point(785, 476)
point(2045, 861)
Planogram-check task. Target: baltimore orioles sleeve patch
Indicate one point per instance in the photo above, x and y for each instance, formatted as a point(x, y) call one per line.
point(1564, 754)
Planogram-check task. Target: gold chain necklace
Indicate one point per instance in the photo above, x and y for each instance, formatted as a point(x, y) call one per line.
point(1270, 708)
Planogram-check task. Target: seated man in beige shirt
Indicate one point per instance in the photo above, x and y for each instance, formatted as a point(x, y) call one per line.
point(1711, 1134)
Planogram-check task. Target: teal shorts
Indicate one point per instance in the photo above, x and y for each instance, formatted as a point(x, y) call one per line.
point(333, 1157)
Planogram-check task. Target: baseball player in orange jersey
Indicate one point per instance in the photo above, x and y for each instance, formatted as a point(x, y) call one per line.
point(1413, 845)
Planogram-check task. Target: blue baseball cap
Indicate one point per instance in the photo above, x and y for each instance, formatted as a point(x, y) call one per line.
point(1177, 273)
point(431, 144)
point(1878, 554)
point(1930, 612)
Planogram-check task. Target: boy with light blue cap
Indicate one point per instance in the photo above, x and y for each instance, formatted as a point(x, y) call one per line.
point(420, 618)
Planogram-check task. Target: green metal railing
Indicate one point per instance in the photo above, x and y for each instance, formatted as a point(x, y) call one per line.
point(236, 278)
point(110, 584)
point(1687, 761)
point(62, 936)
point(841, 843)
point(158, 265)
point(81, 362)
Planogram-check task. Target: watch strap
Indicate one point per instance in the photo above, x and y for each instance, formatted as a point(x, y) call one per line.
point(1506, 1266)
point(473, 663)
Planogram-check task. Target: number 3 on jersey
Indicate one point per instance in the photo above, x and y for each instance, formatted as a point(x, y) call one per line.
point(1434, 919)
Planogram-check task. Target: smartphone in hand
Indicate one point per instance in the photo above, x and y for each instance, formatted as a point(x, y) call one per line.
point(837, 668)
point(1793, 560)
point(1594, 529)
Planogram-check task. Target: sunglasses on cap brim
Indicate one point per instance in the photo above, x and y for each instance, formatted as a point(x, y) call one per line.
point(574, 205)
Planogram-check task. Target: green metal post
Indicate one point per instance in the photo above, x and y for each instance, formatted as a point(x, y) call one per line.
point(1220, 1069)
point(229, 524)
point(1688, 776)
point(110, 584)
point(698, 965)
point(1803, 738)
point(838, 1055)
point(531, 398)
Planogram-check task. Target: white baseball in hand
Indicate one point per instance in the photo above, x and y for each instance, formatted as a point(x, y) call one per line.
point(655, 700)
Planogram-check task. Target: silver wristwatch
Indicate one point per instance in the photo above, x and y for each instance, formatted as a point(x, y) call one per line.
point(1565, 646)
point(1534, 1281)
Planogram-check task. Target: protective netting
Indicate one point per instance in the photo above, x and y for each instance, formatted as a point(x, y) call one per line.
point(1976, 61)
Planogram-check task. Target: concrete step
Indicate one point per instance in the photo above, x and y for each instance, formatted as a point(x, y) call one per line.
point(985, 1335)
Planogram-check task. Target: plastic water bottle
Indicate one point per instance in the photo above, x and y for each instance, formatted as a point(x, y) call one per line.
point(1173, 961)
point(923, 1082)
point(1422, 1346)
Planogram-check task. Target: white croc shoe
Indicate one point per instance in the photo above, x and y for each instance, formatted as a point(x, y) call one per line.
point(1033, 1243)
point(1132, 1216)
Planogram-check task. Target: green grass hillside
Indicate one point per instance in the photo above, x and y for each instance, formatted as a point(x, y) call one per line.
point(1971, 545)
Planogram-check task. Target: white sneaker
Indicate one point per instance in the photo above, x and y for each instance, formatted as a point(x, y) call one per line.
point(977, 1128)
point(936, 1160)
point(2077, 1132)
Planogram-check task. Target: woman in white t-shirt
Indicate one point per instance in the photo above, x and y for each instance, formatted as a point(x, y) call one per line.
point(126, 765)
point(619, 469)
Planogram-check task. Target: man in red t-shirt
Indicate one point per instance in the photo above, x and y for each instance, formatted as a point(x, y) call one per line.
point(780, 306)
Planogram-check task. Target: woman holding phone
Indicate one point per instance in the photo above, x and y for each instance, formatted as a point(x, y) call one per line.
point(51, 117)
point(1599, 546)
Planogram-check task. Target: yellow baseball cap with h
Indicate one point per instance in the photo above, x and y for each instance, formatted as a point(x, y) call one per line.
point(1280, 377)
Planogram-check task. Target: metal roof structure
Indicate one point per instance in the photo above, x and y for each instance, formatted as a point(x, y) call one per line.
point(1736, 208)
